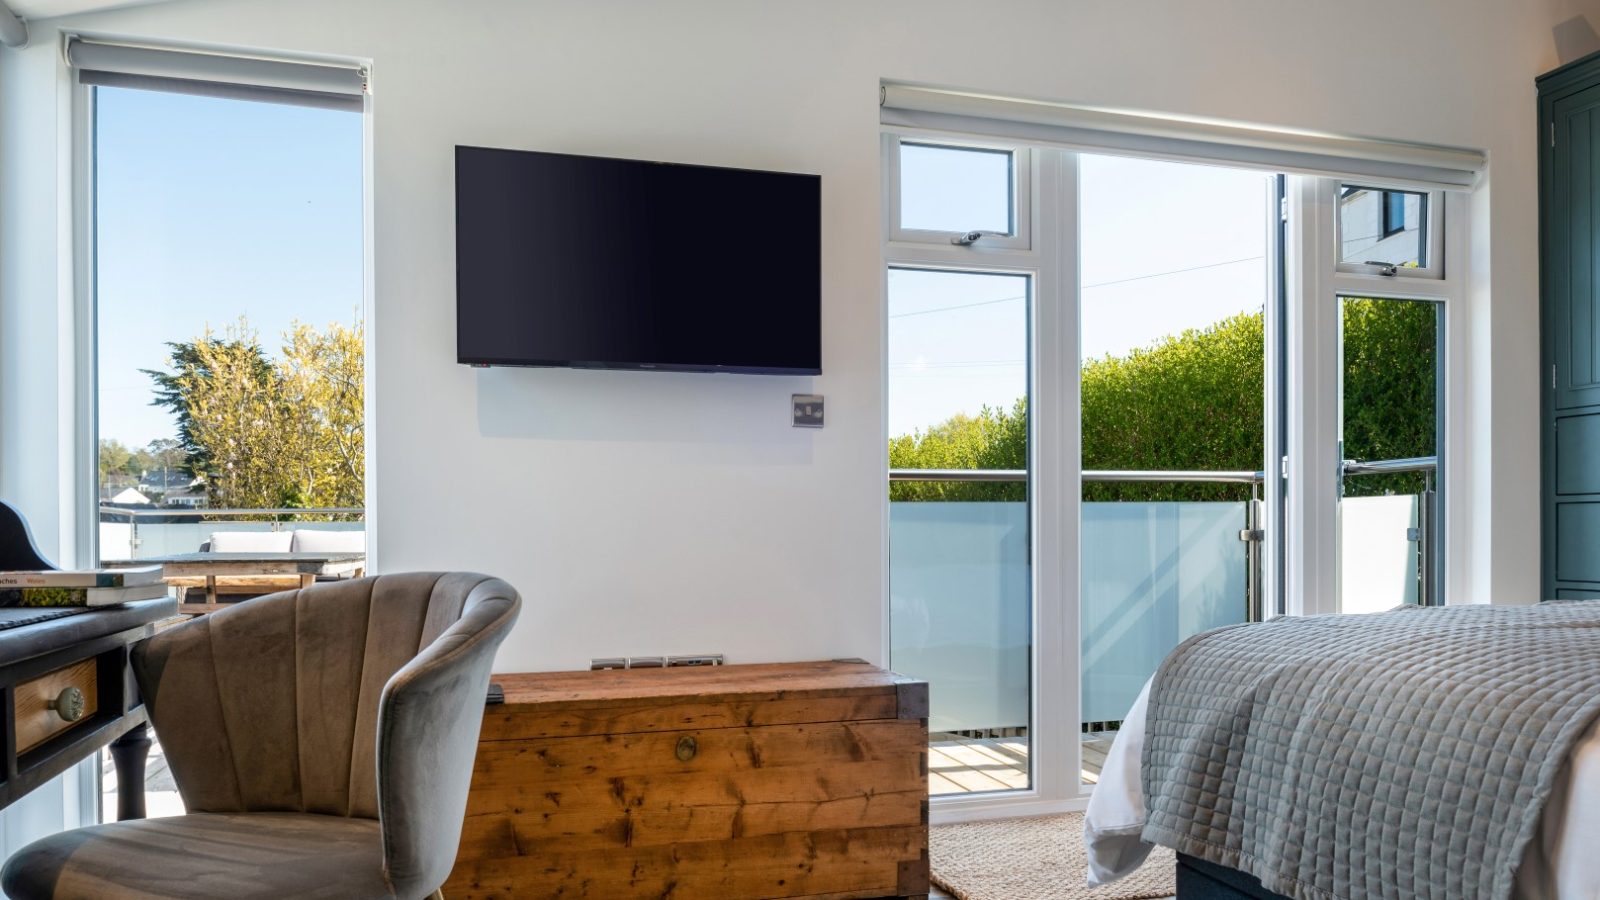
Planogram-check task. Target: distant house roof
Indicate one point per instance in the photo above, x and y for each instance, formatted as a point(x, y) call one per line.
point(131, 497)
point(168, 480)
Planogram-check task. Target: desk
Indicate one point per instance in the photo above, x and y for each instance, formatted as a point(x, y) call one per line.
point(223, 565)
point(86, 649)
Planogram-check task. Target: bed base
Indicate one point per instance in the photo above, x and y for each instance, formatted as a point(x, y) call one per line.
point(1200, 880)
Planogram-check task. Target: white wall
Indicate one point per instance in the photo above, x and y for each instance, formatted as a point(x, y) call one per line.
point(70, 800)
point(657, 513)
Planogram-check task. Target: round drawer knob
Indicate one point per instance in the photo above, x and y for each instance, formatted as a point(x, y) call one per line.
point(687, 748)
point(68, 704)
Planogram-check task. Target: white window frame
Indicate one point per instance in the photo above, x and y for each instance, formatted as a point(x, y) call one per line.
point(1314, 378)
point(86, 454)
point(85, 313)
point(1434, 228)
point(1022, 175)
point(1053, 461)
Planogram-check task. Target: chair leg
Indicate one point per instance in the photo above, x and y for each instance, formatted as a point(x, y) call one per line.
point(437, 895)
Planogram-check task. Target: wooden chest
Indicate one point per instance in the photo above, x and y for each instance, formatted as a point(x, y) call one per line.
point(727, 782)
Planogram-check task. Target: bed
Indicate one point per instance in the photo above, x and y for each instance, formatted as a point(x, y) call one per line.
point(1558, 859)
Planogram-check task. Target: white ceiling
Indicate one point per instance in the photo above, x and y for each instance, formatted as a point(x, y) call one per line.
point(45, 9)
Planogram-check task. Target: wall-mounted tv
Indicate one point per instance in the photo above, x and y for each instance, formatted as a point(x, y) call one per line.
point(589, 262)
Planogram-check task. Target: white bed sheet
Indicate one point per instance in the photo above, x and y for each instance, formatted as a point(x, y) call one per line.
point(1562, 862)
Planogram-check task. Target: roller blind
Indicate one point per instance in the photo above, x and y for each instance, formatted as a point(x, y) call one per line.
point(324, 85)
point(1085, 128)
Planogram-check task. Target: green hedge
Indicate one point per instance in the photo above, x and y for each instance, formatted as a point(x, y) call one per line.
point(1194, 401)
point(1390, 389)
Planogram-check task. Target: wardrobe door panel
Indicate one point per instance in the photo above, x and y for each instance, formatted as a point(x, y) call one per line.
point(1572, 287)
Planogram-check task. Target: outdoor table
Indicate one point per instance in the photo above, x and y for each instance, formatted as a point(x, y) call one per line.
point(212, 566)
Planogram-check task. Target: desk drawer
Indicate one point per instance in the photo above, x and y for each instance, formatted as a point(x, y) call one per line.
point(45, 706)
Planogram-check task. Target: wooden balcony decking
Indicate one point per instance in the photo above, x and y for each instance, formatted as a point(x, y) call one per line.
point(963, 765)
point(1095, 748)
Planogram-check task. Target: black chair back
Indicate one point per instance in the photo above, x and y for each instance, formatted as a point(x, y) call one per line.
point(17, 550)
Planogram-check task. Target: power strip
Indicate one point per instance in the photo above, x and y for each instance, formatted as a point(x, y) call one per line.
point(655, 662)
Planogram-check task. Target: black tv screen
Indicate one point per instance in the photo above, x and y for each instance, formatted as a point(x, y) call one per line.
point(610, 263)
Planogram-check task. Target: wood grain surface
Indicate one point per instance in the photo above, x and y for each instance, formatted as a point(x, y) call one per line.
point(35, 721)
point(805, 780)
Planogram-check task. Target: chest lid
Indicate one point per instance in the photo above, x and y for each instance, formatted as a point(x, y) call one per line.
point(612, 701)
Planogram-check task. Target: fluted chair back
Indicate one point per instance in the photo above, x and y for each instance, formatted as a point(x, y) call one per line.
point(360, 699)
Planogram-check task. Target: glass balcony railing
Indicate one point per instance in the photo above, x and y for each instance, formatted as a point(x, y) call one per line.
point(961, 617)
point(1152, 574)
point(1388, 542)
point(135, 534)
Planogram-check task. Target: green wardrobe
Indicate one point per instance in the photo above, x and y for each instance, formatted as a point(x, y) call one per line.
point(1569, 200)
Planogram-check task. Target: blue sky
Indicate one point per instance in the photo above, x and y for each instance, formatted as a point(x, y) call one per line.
point(208, 210)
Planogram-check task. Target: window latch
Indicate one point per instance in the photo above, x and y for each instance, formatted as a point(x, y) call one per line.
point(1387, 270)
point(971, 237)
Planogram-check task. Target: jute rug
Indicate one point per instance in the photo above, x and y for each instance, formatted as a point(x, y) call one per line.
point(1033, 859)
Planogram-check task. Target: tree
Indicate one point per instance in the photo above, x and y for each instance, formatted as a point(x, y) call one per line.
point(1390, 388)
point(1190, 402)
point(1193, 401)
point(993, 439)
point(190, 362)
point(166, 455)
point(264, 433)
point(114, 461)
point(324, 378)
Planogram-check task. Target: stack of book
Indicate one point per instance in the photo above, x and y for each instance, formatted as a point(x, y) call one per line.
point(87, 587)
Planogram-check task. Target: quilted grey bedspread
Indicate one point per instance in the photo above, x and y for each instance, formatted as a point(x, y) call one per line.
point(1405, 754)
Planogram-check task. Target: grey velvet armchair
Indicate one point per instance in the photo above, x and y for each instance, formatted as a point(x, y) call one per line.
point(322, 740)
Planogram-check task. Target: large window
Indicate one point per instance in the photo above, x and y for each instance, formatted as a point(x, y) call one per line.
point(1132, 399)
point(961, 531)
point(229, 328)
point(225, 269)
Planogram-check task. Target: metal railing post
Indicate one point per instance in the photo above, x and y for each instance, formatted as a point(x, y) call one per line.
point(1253, 536)
point(1426, 534)
point(1427, 553)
